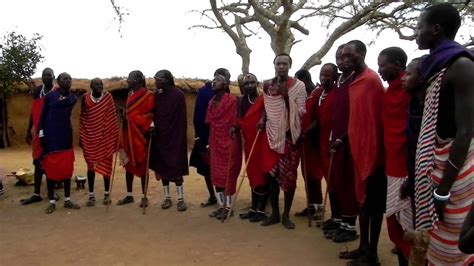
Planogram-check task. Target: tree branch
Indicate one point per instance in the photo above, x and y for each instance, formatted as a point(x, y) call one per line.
point(238, 38)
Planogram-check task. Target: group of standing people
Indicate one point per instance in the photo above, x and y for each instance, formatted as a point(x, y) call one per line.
point(405, 151)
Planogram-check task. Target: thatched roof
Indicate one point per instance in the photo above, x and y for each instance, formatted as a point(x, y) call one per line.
point(80, 86)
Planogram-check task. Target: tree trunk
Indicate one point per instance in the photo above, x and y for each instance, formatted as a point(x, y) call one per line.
point(7, 131)
point(245, 55)
point(3, 127)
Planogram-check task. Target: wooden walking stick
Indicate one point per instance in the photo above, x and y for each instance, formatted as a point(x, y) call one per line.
point(244, 173)
point(327, 182)
point(305, 177)
point(114, 165)
point(147, 176)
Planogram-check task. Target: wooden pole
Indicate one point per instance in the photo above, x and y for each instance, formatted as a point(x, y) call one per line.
point(243, 175)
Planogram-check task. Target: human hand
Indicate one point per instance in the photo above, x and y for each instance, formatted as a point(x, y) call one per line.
point(43, 142)
point(150, 133)
point(335, 145)
point(440, 199)
point(407, 189)
point(261, 124)
point(28, 137)
point(439, 207)
point(233, 131)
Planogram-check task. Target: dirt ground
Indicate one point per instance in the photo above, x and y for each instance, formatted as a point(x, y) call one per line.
point(125, 236)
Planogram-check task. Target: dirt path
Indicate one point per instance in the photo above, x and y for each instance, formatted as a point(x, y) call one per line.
point(124, 236)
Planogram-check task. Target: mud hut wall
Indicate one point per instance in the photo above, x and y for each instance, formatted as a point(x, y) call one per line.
point(19, 109)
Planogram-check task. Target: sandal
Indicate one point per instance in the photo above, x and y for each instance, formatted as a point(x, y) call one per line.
point(51, 208)
point(216, 212)
point(126, 200)
point(90, 202)
point(32, 199)
point(71, 205)
point(287, 223)
point(106, 200)
point(226, 212)
point(247, 215)
point(211, 201)
point(182, 206)
point(364, 261)
point(144, 203)
point(167, 203)
point(351, 255)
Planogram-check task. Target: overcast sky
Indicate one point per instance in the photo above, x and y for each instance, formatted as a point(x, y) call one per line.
point(81, 37)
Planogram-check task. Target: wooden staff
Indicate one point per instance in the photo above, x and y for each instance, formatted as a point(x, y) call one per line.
point(114, 165)
point(327, 181)
point(243, 175)
point(147, 175)
point(305, 177)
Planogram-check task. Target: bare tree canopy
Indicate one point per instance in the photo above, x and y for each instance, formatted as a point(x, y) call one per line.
point(285, 20)
point(282, 19)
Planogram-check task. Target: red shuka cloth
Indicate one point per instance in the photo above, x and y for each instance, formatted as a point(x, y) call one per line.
point(36, 109)
point(318, 156)
point(310, 152)
point(365, 128)
point(263, 158)
point(225, 152)
point(63, 158)
point(395, 117)
point(139, 117)
point(98, 133)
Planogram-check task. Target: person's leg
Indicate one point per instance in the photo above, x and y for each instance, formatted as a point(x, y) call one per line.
point(288, 197)
point(212, 195)
point(317, 202)
point(274, 192)
point(312, 197)
point(220, 201)
point(253, 208)
point(167, 203)
point(68, 204)
point(180, 191)
point(376, 196)
point(107, 199)
point(36, 197)
point(261, 196)
point(227, 212)
point(364, 225)
point(144, 201)
point(52, 201)
point(129, 184)
point(90, 181)
point(38, 179)
point(376, 221)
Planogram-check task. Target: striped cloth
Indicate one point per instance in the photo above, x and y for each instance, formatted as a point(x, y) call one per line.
point(225, 152)
point(431, 160)
point(98, 132)
point(279, 123)
point(443, 248)
point(401, 208)
point(425, 215)
point(277, 116)
point(285, 171)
